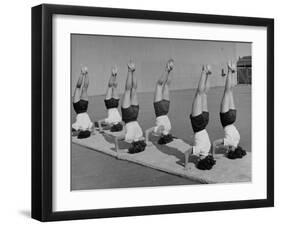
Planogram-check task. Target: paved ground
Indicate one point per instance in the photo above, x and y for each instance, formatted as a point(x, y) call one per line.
point(91, 170)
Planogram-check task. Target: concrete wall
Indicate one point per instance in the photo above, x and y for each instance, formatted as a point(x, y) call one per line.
point(99, 53)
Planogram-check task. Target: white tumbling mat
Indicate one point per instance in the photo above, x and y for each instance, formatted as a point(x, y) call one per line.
point(170, 158)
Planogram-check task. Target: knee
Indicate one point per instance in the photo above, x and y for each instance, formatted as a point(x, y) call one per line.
point(228, 90)
point(134, 91)
point(115, 84)
point(85, 86)
point(84, 89)
point(78, 85)
point(110, 84)
point(128, 87)
point(160, 82)
point(135, 86)
point(168, 82)
point(200, 91)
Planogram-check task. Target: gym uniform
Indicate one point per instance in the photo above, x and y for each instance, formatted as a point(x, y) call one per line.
point(202, 144)
point(161, 109)
point(83, 121)
point(113, 115)
point(231, 134)
point(133, 129)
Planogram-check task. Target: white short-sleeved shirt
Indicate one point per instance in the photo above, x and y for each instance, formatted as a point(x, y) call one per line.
point(164, 121)
point(202, 144)
point(113, 116)
point(231, 136)
point(133, 132)
point(83, 122)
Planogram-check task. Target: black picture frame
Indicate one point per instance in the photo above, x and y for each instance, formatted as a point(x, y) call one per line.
point(42, 111)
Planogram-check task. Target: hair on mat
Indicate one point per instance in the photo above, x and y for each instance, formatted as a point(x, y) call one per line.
point(238, 153)
point(137, 146)
point(84, 134)
point(207, 163)
point(165, 139)
point(117, 127)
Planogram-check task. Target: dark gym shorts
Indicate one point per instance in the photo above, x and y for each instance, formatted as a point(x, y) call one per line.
point(228, 117)
point(130, 114)
point(161, 107)
point(199, 122)
point(111, 103)
point(81, 106)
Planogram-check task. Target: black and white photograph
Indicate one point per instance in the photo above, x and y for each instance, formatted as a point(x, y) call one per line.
point(151, 112)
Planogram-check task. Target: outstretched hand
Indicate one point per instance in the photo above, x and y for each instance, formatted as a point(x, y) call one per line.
point(131, 66)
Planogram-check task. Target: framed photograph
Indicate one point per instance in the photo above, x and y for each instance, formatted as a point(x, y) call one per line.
point(146, 112)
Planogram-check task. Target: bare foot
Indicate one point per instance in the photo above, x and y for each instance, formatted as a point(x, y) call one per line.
point(114, 70)
point(84, 70)
point(231, 65)
point(170, 65)
point(208, 69)
point(131, 66)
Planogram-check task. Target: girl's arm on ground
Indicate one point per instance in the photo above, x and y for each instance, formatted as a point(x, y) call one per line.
point(147, 132)
point(100, 125)
point(117, 139)
point(217, 143)
point(187, 154)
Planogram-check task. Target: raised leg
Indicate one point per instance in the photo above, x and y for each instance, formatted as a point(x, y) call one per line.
point(84, 94)
point(231, 101)
point(158, 89)
point(128, 88)
point(115, 94)
point(78, 89)
point(108, 94)
point(197, 105)
point(206, 90)
point(134, 94)
point(231, 97)
point(166, 87)
point(227, 95)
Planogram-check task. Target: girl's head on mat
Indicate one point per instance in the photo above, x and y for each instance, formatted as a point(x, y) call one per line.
point(165, 139)
point(137, 146)
point(233, 152)
point(206, 163)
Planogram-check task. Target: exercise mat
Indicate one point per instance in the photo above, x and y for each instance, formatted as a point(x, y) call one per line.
point(170, 158)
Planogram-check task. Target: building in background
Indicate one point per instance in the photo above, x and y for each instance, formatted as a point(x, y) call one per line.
point(244, 70)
